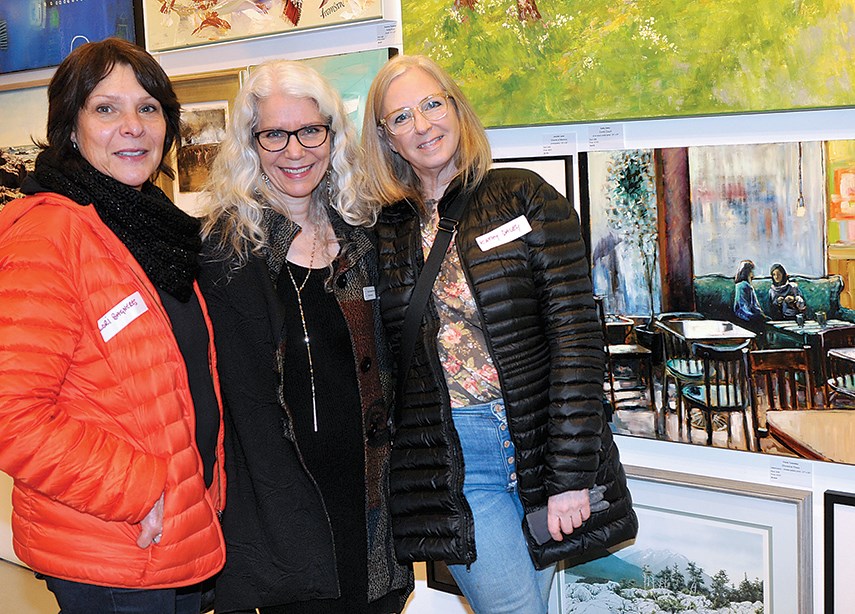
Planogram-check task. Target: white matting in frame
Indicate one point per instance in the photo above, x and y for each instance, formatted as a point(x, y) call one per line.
point(557, 171)
point(703, 544)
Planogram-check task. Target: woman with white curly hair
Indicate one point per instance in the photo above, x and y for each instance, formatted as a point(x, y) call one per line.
point(289, 280)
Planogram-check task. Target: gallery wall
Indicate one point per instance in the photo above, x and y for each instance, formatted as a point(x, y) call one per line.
point(542, 140)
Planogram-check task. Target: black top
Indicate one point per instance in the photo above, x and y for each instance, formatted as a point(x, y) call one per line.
point(334, 454)
point(188, 326)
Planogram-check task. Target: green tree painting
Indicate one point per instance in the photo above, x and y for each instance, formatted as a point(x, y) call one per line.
point(570, 61)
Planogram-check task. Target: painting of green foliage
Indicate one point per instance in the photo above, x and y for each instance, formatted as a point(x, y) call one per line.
point(524, 63)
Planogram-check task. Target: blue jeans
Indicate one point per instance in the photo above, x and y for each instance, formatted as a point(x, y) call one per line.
point(80, 598)
point(503, 579)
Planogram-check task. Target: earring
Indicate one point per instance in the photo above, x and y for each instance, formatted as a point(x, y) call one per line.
point(74, 145)
point(329, 186)
point(266, 181)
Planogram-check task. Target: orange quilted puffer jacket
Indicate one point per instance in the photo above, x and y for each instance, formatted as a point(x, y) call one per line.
point(96, 417)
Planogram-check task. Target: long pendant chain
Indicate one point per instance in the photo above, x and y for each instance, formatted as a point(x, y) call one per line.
point(299, 290)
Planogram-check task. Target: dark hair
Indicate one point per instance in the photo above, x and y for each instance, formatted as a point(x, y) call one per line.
point(746, 267)
point(784, 277)
point(81, 72)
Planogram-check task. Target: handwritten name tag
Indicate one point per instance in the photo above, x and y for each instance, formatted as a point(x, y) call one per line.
point(504, 234)
point(122, 313)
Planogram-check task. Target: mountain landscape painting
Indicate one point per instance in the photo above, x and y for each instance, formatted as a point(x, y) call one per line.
point(678, 563)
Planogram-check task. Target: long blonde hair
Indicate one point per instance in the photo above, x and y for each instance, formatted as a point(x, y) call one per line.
point(236, 191)
point(384, 176)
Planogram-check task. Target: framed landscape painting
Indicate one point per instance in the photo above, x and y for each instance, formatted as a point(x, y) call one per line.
point(703, 545)
point(40, 34)
point(523, 62)
point(206, 100)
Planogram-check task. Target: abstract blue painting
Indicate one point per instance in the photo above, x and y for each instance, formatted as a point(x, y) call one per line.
point(40, 33)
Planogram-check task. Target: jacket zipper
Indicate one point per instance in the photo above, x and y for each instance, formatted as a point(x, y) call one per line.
point(218, 504)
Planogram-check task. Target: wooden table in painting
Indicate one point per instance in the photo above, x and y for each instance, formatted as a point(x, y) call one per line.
point(818, 434)
point(618, 328)
point(714, 332)
point(788, 333)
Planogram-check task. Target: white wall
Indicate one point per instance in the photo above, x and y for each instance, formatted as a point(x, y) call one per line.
point(525, 142)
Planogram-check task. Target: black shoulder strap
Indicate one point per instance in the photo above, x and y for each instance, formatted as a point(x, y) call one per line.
point(418, 301)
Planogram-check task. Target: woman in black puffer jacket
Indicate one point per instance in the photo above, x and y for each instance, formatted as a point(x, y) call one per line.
point(501, 412)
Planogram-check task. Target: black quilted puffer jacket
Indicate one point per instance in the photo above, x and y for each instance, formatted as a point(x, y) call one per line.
point(535, 300)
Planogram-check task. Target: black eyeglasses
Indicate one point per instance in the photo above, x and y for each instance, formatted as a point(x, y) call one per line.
point(277, 139)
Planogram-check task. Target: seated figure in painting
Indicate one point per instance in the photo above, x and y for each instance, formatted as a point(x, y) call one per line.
point(785, 298)
point(746, 307)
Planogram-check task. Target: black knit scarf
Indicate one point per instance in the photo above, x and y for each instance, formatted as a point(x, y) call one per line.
point(163, 239)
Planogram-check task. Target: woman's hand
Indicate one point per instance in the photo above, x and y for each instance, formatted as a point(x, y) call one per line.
point(567, 511)
point(151, 527)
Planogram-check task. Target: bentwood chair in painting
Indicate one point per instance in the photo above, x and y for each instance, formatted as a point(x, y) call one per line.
point(626, 352)
point(841, 377)
point(835, 384)
point(780, 380)
point(723, 389)
point(680, 366)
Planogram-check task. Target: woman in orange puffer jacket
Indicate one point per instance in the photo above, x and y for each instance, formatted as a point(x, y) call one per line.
point(110, 417)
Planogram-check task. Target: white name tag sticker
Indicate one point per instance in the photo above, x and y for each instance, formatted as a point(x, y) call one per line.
point(123, 313)
point(369, 293)
point(504, 234)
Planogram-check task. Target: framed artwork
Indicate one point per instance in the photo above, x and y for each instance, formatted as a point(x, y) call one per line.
point(40, 34)
point(174, 24)
point(529, 62)
point(558, 171)
point(706, 542)
point(203, 128)
point(839, 537)
point(15, 163)
point(668, 231)
point(351, 75)
point(206, 100)
point(439, 578)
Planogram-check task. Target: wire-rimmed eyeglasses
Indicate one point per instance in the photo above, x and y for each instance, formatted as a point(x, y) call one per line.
point(277, 139)
point(432, 108)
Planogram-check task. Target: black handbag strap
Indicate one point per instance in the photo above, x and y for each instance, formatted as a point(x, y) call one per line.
point(418, 301)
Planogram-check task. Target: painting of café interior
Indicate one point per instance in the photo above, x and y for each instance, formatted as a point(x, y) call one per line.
point(724, 276)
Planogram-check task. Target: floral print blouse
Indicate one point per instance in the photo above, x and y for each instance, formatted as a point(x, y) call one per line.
point(469, 372)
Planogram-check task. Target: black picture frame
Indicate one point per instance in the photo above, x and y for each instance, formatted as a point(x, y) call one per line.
point(833, 502)
point(563, 181)
point(439, 578)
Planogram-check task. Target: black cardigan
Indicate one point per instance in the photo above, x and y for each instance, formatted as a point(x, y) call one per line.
point(535, 300)
point(278, 537)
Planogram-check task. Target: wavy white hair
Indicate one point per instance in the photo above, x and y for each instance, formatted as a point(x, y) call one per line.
point(235, 191)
